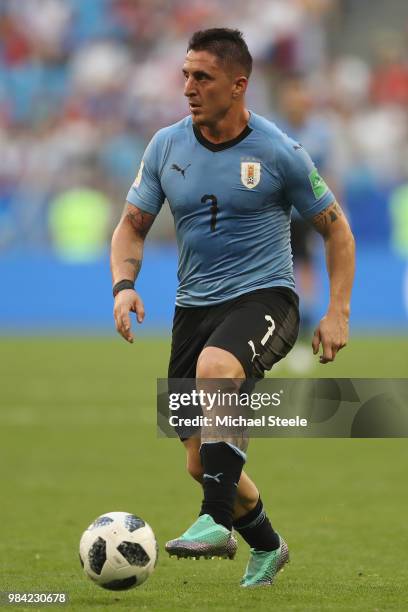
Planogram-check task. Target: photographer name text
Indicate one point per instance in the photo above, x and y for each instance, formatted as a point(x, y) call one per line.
point(238, 421)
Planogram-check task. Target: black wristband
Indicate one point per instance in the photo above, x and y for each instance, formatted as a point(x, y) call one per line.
point(123, 284)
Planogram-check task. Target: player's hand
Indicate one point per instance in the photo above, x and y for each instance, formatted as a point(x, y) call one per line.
point(332, 333)
point(127, 301)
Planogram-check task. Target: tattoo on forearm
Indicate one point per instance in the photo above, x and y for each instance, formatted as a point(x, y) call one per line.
point(136, 263)
point(139, 220)
point(329, 215)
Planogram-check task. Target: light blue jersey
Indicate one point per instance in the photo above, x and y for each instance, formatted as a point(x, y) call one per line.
point(231, 205)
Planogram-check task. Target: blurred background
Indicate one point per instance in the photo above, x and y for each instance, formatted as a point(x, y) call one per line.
point(83, 87)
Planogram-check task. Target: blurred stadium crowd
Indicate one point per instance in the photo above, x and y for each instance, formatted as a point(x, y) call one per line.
point(84, 85)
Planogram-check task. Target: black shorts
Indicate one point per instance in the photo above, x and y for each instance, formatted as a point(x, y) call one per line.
point(259, 328)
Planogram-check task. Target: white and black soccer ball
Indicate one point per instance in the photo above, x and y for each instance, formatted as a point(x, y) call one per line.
point(118, 551)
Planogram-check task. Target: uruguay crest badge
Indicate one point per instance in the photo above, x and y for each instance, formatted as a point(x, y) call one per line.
point(250, 174)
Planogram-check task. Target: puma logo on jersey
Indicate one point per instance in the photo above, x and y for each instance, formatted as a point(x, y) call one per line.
point(178, 169)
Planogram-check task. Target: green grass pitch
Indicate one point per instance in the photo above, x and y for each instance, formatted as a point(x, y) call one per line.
point(78, 438)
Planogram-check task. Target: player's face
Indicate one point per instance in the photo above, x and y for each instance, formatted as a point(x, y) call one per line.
point(210, 90)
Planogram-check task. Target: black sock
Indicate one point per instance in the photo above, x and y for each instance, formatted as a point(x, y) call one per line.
point(222, 470)
point(257, 530)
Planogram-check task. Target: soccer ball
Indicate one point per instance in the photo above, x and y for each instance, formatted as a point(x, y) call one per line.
point(118, 551)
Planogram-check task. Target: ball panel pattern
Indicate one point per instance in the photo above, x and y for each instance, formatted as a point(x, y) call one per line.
point(97, 555)
point(120, 585)
point(134, 553)
point(133, 522)
point(101, 522)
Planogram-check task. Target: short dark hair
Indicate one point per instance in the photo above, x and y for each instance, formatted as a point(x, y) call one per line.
point(226, 44)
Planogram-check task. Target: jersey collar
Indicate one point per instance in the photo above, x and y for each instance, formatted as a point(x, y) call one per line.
point(220, 146)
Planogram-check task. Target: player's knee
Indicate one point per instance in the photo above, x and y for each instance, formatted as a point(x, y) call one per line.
point(217, 363)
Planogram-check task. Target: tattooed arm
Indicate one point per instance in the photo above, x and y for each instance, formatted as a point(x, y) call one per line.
point(127, 243)
point(126, 261)
point(332, 331)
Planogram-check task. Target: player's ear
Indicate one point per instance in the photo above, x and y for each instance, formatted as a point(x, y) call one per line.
point(239, 87)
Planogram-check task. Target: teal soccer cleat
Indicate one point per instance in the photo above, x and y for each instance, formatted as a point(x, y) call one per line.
point(205, 538)
point(263, 566)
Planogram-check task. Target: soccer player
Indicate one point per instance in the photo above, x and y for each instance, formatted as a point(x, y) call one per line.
point(231, 178)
